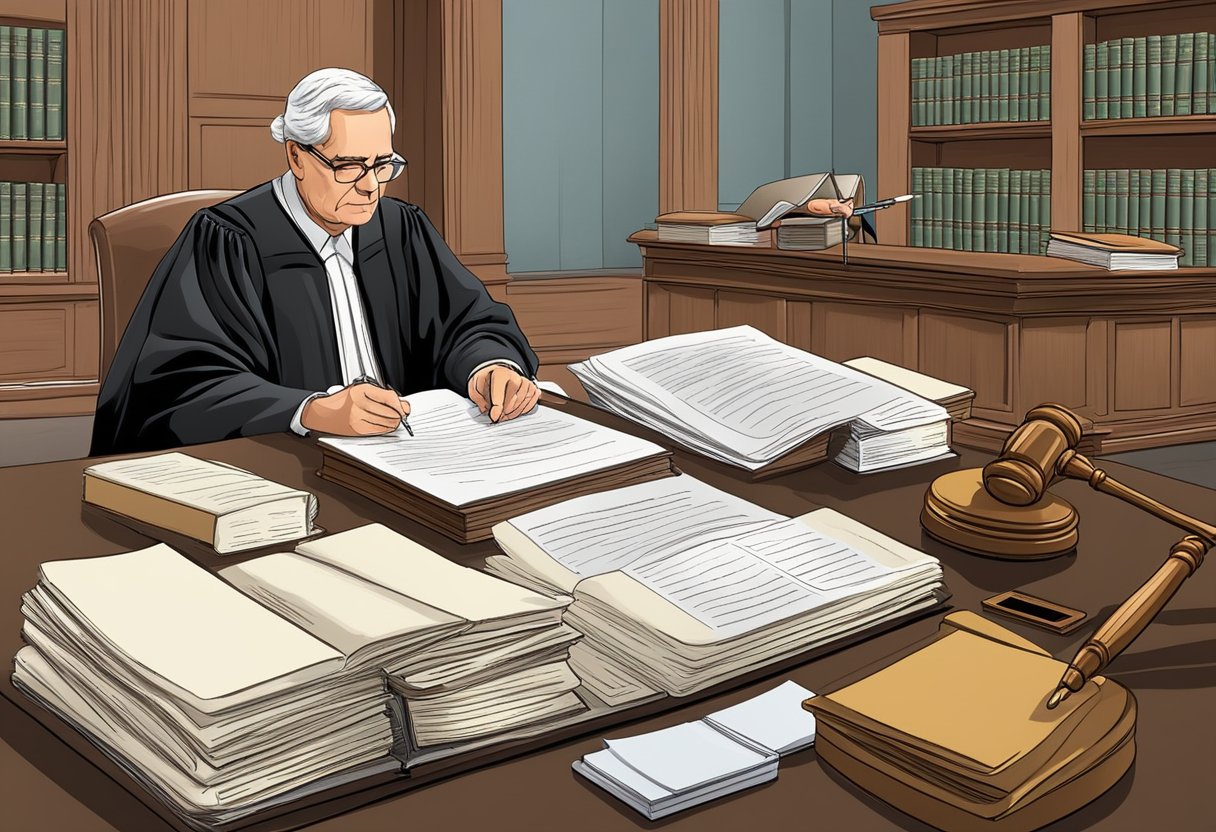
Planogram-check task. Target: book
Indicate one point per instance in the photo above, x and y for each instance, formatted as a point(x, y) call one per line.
point(811, 233)
point(61, 226)
point(955, 398)
point(1139, 77)
point(989, 752)
point(1114, 252)
point(1153, 76)
point(657, 572)
point(1045, 84)
point(1186, 220)
point(6, 83)
point(1173, 207)
point(1088, 82)
point(498, 471)
point(50, 230)
point(54, 84)
point(1127, 67)
point(665, 771)
point(1183, 74)
point(227, 508)
point(915, 210)
point(20, 213)
point(685, 387)
point(1088, 200)
point(34, 226)
point(6, 227)
point(711, 228)
point(1200, 74)
point(1169, 73)
point(1202, 252)
point(21, 80)
point(1002, 85)
point(1157, 204)
point(36, 127)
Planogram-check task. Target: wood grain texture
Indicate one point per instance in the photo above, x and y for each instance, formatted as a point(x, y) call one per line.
point(894, 122)
point(841, 331)
point(1053, 362)
point(764, 312)
point(1197, 360)
point(1067, 43)
point(1141, 365)
point(688, 105)
point(921, 15)
point(974, 352)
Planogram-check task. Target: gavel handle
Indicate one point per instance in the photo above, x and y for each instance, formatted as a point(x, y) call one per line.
point(1073, 465)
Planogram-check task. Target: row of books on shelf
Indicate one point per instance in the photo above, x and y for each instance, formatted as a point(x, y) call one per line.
point(1155, 75)
point(33, 227)
point(31, 83)
point(975, 87)
point(1175, 206)
point(981, 209)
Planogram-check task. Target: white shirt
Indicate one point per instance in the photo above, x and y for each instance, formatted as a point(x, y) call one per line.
point(356, 356)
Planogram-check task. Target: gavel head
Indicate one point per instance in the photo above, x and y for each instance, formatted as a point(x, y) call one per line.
point(1027, 463)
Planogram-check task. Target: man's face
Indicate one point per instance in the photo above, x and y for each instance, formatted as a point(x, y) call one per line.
point(354, 136)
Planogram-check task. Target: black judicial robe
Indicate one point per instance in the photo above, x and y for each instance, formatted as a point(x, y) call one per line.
point(235, 328)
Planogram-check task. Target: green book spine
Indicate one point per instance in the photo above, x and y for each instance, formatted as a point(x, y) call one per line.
point(1015, 212)
point(1127, 60)
point(1211, 72)
point(1186, 220)
point(1212, 216)
point(1100, 201)
point(966, 197)
point(948, 202)
point(61, 228)
point(917, 102)
point(1088, 90)
point(985, 86)
point(1146, 203)
point(979, 184)
point(49, 229)
point(1173, 207)
point(935, 207)
point(34, 227)
point(966, 71)
point(1182, 77)
point(949, 99)
point(956, 87)
point(1015, 84)
point(1121, 187)
point(1002, 210)
point(935, 98)
point(1152, 97)
point(991, 206)
point(1112, 200)
point(1169, 72)
point(1024, 84)
point(1032, 83)
point(1045, 84)
point(36, 128)
point(1139, 77)
point(1002, 85)
point(1101, 80)
point(6, 227)
point(1157, 206)
point(54, 84)
point(915, 220)
point(1202, 255)
point(20, 195)
point(6, 82)
point(1114, 76)
point(1044, 211)
point(1133, 201)
point(1033, 214)
point(1087, 201)
point(21, 79)
point(1023, 200)
point(1199, 99)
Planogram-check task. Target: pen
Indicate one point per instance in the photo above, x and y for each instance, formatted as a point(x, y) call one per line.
point(884, 203)
point(405, 423)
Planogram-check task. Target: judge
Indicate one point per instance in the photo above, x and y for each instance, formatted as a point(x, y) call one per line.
point(311, 302)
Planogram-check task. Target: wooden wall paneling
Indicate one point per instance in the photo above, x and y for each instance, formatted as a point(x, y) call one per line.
point(1141, 368)
point(798, 324)
point(688, 105)
point(229, 152)
point(472, 136)
point(895, 107)
point(1067, 39)
point(87, 323)
point(38, 341)
point(656, 315)
point(974, 351)
point(418, 81)
point(765, 312)
point(582, 313)
point(1054, 364)
point(1097, 382)
point(126, 111)
point(1197, 362)
point(840, 331)
point(682, 309)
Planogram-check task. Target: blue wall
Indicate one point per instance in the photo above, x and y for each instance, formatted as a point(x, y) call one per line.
point(580, 131)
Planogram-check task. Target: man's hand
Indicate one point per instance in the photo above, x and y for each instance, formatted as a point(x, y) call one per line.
point(358, 410)
point(502, 392)
point(829, 207)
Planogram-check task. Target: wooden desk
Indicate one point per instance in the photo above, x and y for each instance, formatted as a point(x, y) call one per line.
point(1131, 351)
point(47, 785)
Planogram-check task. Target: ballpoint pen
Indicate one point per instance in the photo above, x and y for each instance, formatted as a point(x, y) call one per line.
point(366, 379)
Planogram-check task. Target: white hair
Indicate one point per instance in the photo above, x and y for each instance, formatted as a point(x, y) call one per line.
point(306, 117)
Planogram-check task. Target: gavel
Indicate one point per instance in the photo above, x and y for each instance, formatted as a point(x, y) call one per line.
point(1002, 509)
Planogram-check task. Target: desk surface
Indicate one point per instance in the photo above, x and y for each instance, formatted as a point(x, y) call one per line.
point(1171, 669)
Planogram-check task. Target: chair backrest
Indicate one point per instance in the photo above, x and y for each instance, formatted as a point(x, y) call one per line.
point(129, 244)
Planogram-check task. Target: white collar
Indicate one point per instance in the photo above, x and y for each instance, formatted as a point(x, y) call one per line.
point(289, 198)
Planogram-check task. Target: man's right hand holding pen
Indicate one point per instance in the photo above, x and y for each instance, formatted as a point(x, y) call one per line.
point(358, 410)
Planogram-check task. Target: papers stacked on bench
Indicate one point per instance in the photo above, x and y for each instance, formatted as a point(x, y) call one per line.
point(678, 586)
point(662, 772)
point(740, 397)
point(215, 703)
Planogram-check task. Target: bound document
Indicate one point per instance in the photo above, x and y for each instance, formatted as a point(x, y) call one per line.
point(1114, 252)
point(460, 473)
point(225, 507)
point(958, 733)
point(741, 397)
point(678, 586)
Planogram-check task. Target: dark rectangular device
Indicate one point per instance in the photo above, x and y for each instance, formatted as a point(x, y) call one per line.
point(1036, 611)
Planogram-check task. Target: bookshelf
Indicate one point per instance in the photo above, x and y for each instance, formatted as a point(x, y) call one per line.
point(923, 39)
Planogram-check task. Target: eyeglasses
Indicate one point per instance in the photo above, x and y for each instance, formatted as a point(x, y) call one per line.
point(385, 170)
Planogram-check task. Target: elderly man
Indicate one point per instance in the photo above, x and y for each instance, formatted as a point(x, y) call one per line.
point(312, 302)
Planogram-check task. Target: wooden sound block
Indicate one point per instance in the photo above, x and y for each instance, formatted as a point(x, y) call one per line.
point(960, 512)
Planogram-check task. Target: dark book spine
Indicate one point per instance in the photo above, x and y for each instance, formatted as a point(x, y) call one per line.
point(36, 129)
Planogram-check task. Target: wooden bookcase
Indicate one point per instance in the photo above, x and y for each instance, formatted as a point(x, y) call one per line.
point(48, 319)
point(1066, 144)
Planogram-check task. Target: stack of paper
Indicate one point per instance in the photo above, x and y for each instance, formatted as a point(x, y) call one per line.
point(955, 398)
point(214, 702)
point(810, 233)
point(1114, 252)
point(676, 768)
point(738, 396)
point(472, 655)
point(680, 586)
point(710, 227)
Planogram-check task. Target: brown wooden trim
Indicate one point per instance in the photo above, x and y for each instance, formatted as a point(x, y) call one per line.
point(1162, 126)
point(970, 132)
point(33, 292)
point(919, 15)
point(894, 148)
point(36, 401)
point(15, 147)
point(1067, 45)
point(688, 105)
